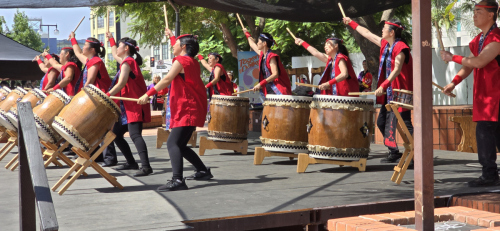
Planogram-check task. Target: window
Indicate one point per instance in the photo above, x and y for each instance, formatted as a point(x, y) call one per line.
point(459, 41)
point(100, 37)
point(112, 33)
point(111, 20)
point(156, 53)
point(100, 22)
point(165, 51)
point(459, 26)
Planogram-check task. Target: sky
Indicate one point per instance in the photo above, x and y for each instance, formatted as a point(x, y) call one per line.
point(65, 18)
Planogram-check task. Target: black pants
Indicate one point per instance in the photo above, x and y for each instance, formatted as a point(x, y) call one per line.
point(177, 149)
point(382, 121)
point(488, 139)
point(135, 131)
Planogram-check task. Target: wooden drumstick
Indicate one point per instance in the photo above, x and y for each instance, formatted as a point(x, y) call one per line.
point(241, 92)
point(79, 24)
point(239, 19)
point(363, 93)
point(165, 14)
point(341, 9)
point(442, 89)
point(107, 19)
point(293, 36)
point(306, 85)
point(124, 99)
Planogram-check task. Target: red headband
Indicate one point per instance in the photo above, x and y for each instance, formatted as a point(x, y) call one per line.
point(485, 6)
point(184, 35)
point(67, 48)
point(90, 41)
point(394, 24)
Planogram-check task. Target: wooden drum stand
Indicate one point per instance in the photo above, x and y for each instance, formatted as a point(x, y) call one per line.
point(400, 169)
point(163, 133)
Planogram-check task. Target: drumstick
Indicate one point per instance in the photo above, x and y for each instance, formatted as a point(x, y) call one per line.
point(241, 92)
point(306, 85)
point(341, 10)
point(165, 13)
point(239, 19)
point(293, 36)
point(363, 93)
point(79, 24)
point(124, 99)
point(442, 89)
point(107, 23)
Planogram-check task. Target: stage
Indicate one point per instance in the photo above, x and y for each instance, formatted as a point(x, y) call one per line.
point(238, 188)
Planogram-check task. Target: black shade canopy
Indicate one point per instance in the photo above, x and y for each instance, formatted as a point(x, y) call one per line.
point(291, 10)
point(15, 61)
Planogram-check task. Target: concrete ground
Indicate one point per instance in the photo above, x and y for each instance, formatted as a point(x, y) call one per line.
point(238, 188)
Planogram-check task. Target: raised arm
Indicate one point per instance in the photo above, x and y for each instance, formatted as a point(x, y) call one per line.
point(122, 81)
point(204, 63)
point(112, 43)
point(52, 61)
point(174, 71)
point(363, 31)
point(41, 64)
point(77, 49)
point(252, 43)
point(321, 56)
point(171, 36)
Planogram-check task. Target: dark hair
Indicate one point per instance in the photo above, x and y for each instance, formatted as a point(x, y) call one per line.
point(132, 48)
point(96, 44)
point(340, 43)
point(216, 55)
point(364, 61)
point(493, 10)
point(73, 58)
point(56, 57)
point(397, 30)
point(192, 46)
point(270, 42)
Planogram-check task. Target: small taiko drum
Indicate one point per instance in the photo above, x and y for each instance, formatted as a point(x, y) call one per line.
point(228, 118)
point(46, 112)
point(339, 127)
point(284, 120)
point(402, 96)
point(11, 99)
point(87, 118)
point(34, 96)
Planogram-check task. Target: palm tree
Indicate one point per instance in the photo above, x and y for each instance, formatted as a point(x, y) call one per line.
point(443, 15)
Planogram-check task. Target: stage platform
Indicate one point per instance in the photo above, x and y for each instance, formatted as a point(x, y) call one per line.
point(238, 188)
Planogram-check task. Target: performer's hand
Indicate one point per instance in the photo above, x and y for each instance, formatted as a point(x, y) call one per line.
point(324, 86)
point(144, 99)
point(448, 88)
point(299, 41)
point(257, 87)
point(50, 90)
point(168, 32)
point(379, 91)
point(71, 35)
point(37, 58)
point(446, 56)
point(346, 20)
point(109, 35)
point(45, 53)
point(244, 30)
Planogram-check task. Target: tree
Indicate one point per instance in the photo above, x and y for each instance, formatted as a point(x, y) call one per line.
point(22, 33)
point(443, 16)
point(2, 23)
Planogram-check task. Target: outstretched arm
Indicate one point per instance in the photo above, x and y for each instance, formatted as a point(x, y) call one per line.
point(112, 43)
point(252, 43)
point(52, 61)
point(77, 49)
point(321, 56)
point(363, 31)
point(41, 65)
point(204, 63)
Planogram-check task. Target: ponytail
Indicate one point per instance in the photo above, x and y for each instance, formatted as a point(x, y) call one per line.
point(97, 45)
point(133, 48)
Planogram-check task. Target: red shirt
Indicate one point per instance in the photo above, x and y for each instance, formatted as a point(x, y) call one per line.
point(46, 78)
point(188, 98)
point(367, 81)
point(348, 85)
point(102, 81)
point(283, 81)
point(70, 88)
point(486, 82)
point(224, 87)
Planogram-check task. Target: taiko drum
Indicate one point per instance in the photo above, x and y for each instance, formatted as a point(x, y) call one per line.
point(11, 99)
point(34, 97)
point(47, 111)
point(402, 96)
point(228, 118)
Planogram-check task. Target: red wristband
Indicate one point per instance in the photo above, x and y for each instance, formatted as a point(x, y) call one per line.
point(39, 61)
point(263, 83)
point(457, 80)
point(151, 92)
point(112, 42)
point(385, 84)
point(73, 41)
point(107, 93)
point(353, 25)
point(200, 57)
point(209, 85)
point(172, 40)
point(332, 81)
point(457, 59)
point(56, 87)
point(305, 45)
point(248, 34)
point(48, 56)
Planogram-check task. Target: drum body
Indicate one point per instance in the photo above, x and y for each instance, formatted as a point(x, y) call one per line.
point(340, 127)
point(284, 120)
point(34, 96)
point(4, 91)
point(228, 118)
point(46, 112)
point(11, 99)
point(87, 118)
point(403, 96)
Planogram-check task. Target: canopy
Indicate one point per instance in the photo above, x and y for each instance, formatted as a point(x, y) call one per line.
point(15, 61)
point(291, 10)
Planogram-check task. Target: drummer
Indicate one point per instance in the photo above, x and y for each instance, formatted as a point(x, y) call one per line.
point(188, 107)
point(94, 72)
point(129, 83)
point(219, 82)
point(365, 79)
point(231, 78)
point(339, 77)
point(70, 69)
point(50, 78)
point(272, 74)
point(397, 73)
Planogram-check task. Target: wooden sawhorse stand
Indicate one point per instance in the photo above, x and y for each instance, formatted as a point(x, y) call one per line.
point(261, 153)
point(11, 143)
point(162, 137)
point(84, 161)
point(407, 157)
point(241, 147)
point(468, 141)
point(304, 161)
point(47, 154)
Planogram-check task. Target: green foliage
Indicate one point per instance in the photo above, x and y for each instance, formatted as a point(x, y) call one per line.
point(443, 12)
point(111, 66)
point(2, 23)
point(22, 33)
point(145, 73)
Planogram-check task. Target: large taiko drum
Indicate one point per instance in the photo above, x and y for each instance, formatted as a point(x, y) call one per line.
point(228, 118)
point(87, 118)
point(4, 91)
point(34, 96)
point(46, 112)
point(340, 127)
point(11, 99)
point(284, 120)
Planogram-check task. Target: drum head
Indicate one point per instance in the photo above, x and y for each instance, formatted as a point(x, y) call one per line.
point(61, 95)
point(287, 98)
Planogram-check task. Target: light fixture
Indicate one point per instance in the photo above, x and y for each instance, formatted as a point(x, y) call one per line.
point(56, 31)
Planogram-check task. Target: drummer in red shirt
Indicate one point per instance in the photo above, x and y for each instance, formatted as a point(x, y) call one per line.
point(484, 62)
point(272, 74)
point(188, 108)
point(219, 82)
point(50, 78)
point(339, 77)
point(365, 79)
point(70, 69)
point(129, 83)
point(235, 86)
point(395, 72)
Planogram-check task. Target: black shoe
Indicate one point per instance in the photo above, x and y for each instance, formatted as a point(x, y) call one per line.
point(144, 171)
point(482, 182)
point(105, 164)
point(201, 175)
point(173, 185)
point(391, 158)
point(127, 166)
